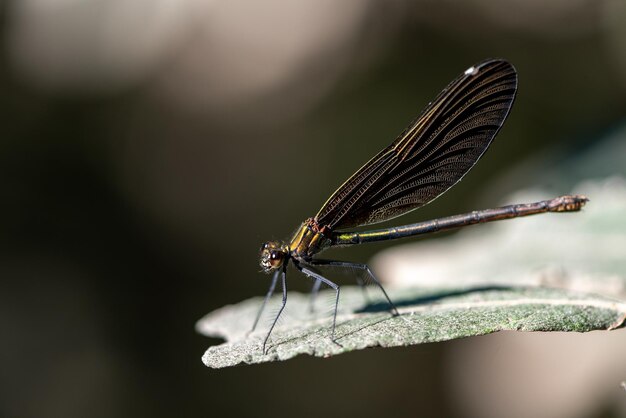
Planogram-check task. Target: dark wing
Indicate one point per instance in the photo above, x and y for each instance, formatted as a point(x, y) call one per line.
point(432, 154)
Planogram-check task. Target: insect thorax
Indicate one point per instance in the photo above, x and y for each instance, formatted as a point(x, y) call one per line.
point(309, 239)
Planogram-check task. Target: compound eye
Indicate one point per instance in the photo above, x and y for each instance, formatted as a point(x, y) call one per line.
point(264, 246)
point(276, 258)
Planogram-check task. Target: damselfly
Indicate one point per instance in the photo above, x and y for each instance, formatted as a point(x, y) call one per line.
point(430, 156)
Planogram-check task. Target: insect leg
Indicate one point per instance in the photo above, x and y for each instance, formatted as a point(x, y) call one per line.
point(284, 287)
point(267, 297)
point(363, 267)
point(335, 286)
point(314, 291)
point(316, 288)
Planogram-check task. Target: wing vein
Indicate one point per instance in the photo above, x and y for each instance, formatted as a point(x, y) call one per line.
point(432, 154)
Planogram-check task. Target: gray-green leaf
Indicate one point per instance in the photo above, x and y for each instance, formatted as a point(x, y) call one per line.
point(426, 316)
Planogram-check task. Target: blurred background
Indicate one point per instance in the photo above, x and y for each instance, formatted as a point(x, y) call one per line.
point(148, 147)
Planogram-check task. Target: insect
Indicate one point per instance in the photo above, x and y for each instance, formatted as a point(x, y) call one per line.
point(432, 154)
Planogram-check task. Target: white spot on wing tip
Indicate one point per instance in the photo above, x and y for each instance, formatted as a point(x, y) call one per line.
point(471, 71)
